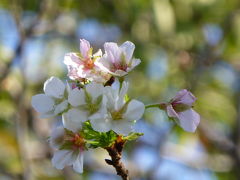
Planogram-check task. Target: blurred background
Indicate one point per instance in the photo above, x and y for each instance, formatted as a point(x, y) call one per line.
point(193, 44)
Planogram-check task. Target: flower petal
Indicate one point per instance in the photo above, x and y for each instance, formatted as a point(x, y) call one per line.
point(184, 97)
point(100, 123)
point(72, 60)
point(113, 52)
point(171, 112)
point(54, 87)
point(78, 164)
point(42, 103)
point(135, 110)
point(61, 107)
point(63, 158)
point(73, 119)
point(84, 47)
point(134, 63)
point(57, 137)
point(128, 48)
point(76, 97)
point(122, 127)
point(122, 93)
point(189, 120)
point(95, 89)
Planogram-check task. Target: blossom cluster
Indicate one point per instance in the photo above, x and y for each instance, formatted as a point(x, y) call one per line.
point(94, 104)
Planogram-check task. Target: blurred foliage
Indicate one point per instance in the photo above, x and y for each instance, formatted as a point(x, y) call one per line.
point(190, 44)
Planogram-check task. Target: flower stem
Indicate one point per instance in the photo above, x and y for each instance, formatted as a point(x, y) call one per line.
point(152, 106)
point(115, 152)
point(159, 105)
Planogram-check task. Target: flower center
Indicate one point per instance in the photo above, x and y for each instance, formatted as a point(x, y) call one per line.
point(116, 115)
point(78, 141)
point(89, 63)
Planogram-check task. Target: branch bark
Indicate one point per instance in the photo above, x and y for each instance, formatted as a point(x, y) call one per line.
point(115, 152)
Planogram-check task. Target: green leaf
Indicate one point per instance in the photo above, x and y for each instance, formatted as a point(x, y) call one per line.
point(132, 136)
point(96, 139)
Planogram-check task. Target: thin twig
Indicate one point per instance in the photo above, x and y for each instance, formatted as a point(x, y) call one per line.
point(115, 152)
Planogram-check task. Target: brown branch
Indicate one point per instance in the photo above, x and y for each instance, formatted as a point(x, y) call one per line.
point(115, 152)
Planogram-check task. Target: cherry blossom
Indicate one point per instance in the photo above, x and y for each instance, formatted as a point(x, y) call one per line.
point(180, 107)
point(117, 60)
point(69, 149)
point(85, 102)
point(53, 101)
point(82, 65)
point(120, 115)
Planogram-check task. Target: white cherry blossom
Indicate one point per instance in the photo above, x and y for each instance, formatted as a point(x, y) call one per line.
point(69, 149)
point(119, 114)
point(85, 102)
point(52, 102)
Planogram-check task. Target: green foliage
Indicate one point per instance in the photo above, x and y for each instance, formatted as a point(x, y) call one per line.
point(132, 136)
point(95, 139)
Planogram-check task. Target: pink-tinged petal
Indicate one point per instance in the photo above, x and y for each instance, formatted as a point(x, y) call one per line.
point(42, 103)
point(184, 97)
point(134, 111)
point(103, 64)
point(128, 49)
point(78, 163)
point(54, 87)
point(84, 48)
point(171, 112)
point(73, 60)
point(113, 52)
point(189, 120)
point(63, 158)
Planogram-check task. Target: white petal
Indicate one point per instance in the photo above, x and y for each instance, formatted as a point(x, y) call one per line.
point(76, 97)
point(42, 103)
point(189, 120)
point(73, 119)
point(134, 111)
point(78, 164)
point(100, 123)
point(63, 158)
point(94, 89)
point(122, 127)
point(54, 87)
point(128, 48)
point(57, 137)
point(134, 63)
point(119, 73)
point(61, 107)
point(122, 93)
